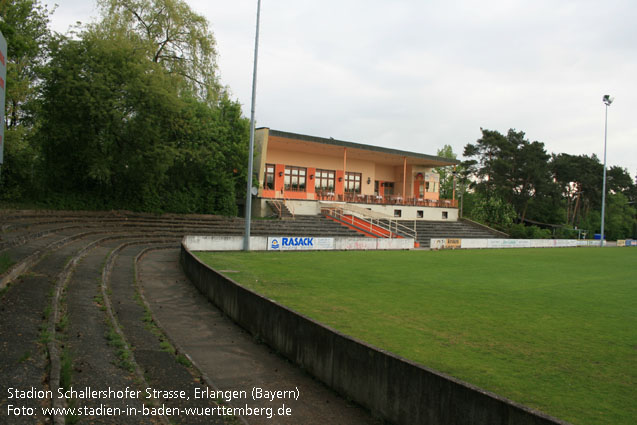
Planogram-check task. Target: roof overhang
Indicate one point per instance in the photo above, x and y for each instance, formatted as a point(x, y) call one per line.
point(332, 147)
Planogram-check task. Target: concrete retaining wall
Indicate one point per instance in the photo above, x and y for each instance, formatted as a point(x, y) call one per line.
point(224, 243)
point(260, 243)
point(393, 388)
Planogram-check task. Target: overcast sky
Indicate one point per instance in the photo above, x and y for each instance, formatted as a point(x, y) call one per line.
point(419, 74)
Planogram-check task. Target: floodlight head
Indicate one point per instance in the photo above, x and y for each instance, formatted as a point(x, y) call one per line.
point(607, 99)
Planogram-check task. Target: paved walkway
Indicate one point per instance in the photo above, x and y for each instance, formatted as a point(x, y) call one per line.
point(230, 357)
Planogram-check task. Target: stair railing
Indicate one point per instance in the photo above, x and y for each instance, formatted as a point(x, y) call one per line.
point(393, 228)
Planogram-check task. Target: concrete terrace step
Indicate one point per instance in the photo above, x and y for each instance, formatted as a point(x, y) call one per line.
point(427, 230)
point(82, 286)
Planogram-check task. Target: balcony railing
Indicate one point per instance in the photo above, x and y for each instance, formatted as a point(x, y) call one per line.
point(386, 200)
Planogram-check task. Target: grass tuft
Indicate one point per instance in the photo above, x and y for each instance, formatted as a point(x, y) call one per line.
point(123, 353)
point(5, 262)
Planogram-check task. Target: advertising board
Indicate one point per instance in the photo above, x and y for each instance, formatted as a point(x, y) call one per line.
point(453, 243)
point(440, 243)
point(299, 243)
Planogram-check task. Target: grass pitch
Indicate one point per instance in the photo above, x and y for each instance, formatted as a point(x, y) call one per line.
point(554, 329)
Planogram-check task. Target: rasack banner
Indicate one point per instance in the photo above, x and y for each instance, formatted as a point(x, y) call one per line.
point(299, 243)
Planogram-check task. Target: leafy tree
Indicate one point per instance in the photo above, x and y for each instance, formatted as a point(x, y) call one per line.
point(446, 173)
point(128, 115)
point(580, 181)
point(117, 128)
point(520, 231)
point(510, 167)
point(172, 35)
point(484, 153)
point(24, 24)
point(620, 218)
point(619, 181)
point(105, 117)
point(493, 211)
point(211, 162)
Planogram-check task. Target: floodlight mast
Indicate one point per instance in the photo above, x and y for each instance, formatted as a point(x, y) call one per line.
point(248, 210)
point(607, 101)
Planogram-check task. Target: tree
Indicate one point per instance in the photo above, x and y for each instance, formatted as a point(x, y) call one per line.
point(493, 211)
point(580, 181)
point(510, 167)
point(485, 152)
point(24, 24)
point(106, 118)
point(117, 129)
point(446, 173)
point(172, 35)
point(210, 166)
point(620, 217)
point(619, 181)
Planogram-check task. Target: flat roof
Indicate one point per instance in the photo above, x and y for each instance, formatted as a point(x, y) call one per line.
point(343, 143)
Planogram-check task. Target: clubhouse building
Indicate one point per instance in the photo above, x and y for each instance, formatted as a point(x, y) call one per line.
point(308, 173)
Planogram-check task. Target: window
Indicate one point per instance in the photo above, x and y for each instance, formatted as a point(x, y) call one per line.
point(295, 179)
point(388, 188)
point(324, 180)
point(445, 215)
point(398, 213)
point(269, 177)
point(419, 214)
point(353, 182)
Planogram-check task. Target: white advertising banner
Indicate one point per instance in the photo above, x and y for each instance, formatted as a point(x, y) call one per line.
point(440, 243)
point(299, 243)
point(355, 244)
point(474, 243)
point(509, 243)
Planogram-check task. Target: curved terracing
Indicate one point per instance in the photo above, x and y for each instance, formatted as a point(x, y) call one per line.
point(74, 312)
point(73, 316)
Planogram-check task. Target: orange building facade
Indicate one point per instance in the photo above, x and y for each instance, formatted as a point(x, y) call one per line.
point(296, 167)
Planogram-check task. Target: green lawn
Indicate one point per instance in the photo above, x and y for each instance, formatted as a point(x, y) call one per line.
point(554, 329)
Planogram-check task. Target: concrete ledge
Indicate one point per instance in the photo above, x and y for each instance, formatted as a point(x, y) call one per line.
point(393, 388)
point(260, 243)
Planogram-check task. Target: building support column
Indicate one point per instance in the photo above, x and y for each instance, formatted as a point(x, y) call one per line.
point(344, 172)
point(344, 161)
point(454, 185)
point(405, 179)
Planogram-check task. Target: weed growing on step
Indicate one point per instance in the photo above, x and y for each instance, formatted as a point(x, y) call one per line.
point(5, 262)
point(122, 351)
point(66, 370)
point(183, 360)
point(26, 356)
